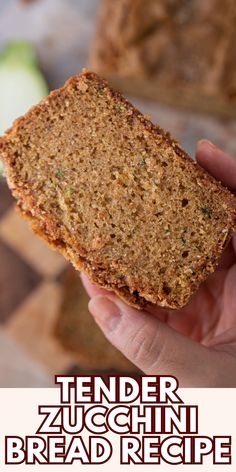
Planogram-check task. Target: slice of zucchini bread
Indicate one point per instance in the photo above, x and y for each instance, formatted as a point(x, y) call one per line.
point(79, 334)
point(116, 195)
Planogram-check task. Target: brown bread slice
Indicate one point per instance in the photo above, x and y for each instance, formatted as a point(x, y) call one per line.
point(116, 194)
point(78, 333)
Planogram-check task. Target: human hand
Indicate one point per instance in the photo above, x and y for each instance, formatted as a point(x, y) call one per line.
point(197, 344)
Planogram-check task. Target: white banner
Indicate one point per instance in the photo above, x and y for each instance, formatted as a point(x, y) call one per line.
point(118, 424)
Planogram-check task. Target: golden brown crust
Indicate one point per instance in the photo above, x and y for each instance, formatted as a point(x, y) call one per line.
point(50, 229)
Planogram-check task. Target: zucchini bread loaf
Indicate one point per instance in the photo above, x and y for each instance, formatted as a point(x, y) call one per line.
point(180, 52)
point(116, 195)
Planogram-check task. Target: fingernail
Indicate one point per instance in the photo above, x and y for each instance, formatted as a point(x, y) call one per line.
point(105, 311)
point(205, 141)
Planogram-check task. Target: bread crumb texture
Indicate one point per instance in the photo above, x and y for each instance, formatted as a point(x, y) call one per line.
point(116, 195)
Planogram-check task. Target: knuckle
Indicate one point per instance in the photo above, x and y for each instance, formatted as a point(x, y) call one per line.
point(143, 348)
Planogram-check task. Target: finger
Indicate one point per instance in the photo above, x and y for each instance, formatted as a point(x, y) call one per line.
point(228, 337)
point(153, 346)
point(217, 163)
point(234, 242)
point(227, 257)
point(230, 299)
point(93, 290)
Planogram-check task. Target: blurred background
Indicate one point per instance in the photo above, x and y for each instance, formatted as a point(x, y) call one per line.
point(175, 60)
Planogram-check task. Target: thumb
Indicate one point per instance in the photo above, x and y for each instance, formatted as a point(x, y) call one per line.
point(152, 345)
